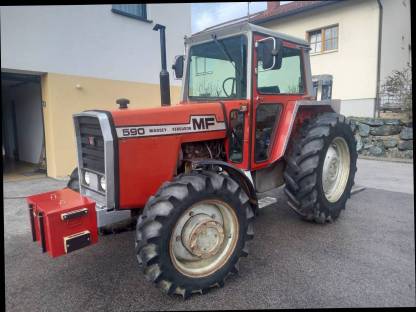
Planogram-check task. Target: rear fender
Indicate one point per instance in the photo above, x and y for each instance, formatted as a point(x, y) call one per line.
point(294, 114)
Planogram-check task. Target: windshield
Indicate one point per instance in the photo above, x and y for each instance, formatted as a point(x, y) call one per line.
point(217, 70)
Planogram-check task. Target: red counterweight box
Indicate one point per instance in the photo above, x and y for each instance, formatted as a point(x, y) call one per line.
point(62, 221)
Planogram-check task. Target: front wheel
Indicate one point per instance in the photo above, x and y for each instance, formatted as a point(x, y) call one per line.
point(193, 232)
point(321, 166)
point(73, 182)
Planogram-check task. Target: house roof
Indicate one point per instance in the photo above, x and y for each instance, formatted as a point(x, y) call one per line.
point(288, 9)
point(251, 22)
point(280, 11)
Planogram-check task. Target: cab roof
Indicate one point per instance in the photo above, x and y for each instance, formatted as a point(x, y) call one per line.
point(239, 27)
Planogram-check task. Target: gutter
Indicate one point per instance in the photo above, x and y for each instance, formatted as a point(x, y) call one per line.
point(380, 24)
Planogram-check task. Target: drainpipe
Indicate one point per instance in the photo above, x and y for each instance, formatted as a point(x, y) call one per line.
point(380, 24)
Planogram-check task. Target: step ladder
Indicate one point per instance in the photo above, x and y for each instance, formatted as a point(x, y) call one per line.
point(268, 200)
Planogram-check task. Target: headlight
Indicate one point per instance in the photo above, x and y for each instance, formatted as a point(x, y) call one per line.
point(102, 183)
point(87, 177)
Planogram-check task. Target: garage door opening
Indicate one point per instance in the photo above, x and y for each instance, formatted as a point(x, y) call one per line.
point(22, 127)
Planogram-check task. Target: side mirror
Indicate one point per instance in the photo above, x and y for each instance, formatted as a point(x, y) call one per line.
point(269, 52)
point(178, 66)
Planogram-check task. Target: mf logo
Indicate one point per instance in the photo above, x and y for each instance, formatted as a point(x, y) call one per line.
point(202, 123)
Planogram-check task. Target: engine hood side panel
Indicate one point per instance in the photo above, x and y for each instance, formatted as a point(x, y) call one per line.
point(175, 114)
point(149, 142)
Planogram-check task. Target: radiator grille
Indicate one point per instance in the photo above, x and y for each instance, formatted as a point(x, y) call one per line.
point(92, 144)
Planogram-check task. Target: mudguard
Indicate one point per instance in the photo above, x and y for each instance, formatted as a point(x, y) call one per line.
point(293, 115)
point(237, 174)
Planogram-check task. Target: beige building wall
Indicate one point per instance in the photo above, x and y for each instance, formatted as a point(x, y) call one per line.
point(355, 73)
point(63, 98)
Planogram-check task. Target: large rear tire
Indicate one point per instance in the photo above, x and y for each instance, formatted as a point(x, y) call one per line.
point(193, 232)
point(321, 166)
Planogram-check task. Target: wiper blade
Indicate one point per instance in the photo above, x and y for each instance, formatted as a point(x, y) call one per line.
point(226, 53)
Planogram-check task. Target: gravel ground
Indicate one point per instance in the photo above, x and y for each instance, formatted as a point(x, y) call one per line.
point(366, 258)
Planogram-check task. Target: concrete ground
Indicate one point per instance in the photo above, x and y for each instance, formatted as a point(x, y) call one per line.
point(382, 175)
point(365, 259)
point(19, 170)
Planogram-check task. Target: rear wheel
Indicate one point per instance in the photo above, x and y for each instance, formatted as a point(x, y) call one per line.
point(193, 232)
point(321, 166)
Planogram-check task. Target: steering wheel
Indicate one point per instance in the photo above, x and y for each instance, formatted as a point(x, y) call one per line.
point(232, 87)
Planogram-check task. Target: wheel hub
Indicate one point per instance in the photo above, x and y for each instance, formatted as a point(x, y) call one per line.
point(336, 169)
point(331, 165)
point(202, 236)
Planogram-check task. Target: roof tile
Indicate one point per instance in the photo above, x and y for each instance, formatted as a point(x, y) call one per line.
point(288, 8)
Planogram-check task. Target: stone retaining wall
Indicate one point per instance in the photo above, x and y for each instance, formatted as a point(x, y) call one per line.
point(391, 138)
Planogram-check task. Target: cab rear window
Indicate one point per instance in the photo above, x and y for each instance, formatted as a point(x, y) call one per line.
point(286, 80)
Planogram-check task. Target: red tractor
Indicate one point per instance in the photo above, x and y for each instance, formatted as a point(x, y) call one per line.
point(195, 173)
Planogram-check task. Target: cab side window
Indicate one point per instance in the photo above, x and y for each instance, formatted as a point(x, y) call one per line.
point(266, 117)
point(286, 80)
point(237, 135)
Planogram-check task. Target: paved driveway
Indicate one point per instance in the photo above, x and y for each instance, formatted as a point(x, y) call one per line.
point(366, 258)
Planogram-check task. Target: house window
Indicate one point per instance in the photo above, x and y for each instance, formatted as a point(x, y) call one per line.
point(325, 39)
point(137, 11)
point(315, 89)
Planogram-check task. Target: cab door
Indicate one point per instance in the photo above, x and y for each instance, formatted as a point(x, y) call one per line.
point(275, 92)
point(238, 133)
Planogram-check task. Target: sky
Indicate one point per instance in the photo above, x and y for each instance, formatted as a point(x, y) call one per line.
point(209, 14)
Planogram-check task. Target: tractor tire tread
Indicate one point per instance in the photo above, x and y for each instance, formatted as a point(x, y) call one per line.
point(156, 214)
point(303, 159)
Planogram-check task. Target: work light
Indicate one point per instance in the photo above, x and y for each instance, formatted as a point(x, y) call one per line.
point(103, 183)
point(87, 177)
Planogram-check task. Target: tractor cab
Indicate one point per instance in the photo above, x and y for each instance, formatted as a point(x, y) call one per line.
point(231, 62)
point(258, 74)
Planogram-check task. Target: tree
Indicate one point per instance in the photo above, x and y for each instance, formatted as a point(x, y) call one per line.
point(396, 91)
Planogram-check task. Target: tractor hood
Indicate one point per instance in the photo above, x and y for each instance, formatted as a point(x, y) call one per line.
point(169, 120)
point(152, 138)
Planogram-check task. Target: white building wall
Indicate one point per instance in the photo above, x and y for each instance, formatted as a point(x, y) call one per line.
point(8, 131)
point(27, 99)
point(91, 40)
point(396, 37)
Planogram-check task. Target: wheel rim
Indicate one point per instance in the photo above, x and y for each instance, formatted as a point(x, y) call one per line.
point(336, 169)
point(204, 238)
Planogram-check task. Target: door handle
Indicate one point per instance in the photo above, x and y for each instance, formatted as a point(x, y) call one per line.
point(243, 108)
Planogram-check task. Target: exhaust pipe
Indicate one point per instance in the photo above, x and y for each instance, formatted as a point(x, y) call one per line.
point(164, 74)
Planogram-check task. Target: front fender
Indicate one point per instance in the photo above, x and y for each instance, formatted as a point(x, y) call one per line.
point(237, 174)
